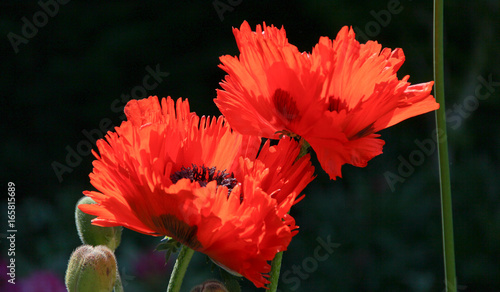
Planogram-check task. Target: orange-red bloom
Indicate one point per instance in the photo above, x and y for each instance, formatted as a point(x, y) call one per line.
point(336, 98)
point(168, 172)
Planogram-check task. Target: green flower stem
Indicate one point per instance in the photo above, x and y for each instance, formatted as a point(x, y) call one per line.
point(276, 263)
point(444, 169)
point(275, 272)
point(180, 268)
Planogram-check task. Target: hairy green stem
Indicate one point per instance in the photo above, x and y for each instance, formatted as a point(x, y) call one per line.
point(180, 268)
point(275, 272)
point(444, 169)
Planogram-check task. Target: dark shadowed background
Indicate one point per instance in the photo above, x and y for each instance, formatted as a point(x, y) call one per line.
point(68, 67)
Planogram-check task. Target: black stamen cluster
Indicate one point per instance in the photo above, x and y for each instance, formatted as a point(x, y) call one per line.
point(203, 175)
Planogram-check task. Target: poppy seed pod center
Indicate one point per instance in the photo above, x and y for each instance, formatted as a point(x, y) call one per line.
point(203, 175)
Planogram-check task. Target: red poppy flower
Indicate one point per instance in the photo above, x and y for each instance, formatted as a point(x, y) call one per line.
point(336, 98)
point(168, 172)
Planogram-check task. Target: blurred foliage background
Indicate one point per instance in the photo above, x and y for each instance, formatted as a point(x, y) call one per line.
point(82, 64)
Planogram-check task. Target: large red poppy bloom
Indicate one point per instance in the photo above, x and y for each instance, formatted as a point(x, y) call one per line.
point(168, 172)
point(336, 98)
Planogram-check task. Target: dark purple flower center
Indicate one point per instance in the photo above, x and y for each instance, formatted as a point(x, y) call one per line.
point(203, 175)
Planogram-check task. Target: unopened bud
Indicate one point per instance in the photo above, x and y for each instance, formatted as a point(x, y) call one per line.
point(210, 286)
point(92, 234)
point(91, 269)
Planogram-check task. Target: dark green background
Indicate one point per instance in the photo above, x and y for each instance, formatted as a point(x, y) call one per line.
point(65, 79)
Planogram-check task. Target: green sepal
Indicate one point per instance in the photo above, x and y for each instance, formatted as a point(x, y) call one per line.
point(211, 286)
point(170, 246)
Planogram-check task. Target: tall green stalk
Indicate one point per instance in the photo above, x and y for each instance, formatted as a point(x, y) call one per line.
point(180, 268)
point(275, 272)
point(444, 169)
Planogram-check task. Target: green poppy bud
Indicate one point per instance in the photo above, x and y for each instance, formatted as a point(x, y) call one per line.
point(92, 234)
point(210, 286)
point(91, 269)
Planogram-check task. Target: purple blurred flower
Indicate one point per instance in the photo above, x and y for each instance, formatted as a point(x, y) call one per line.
point(150, 264)
point(39, 281)
point(42, 281)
